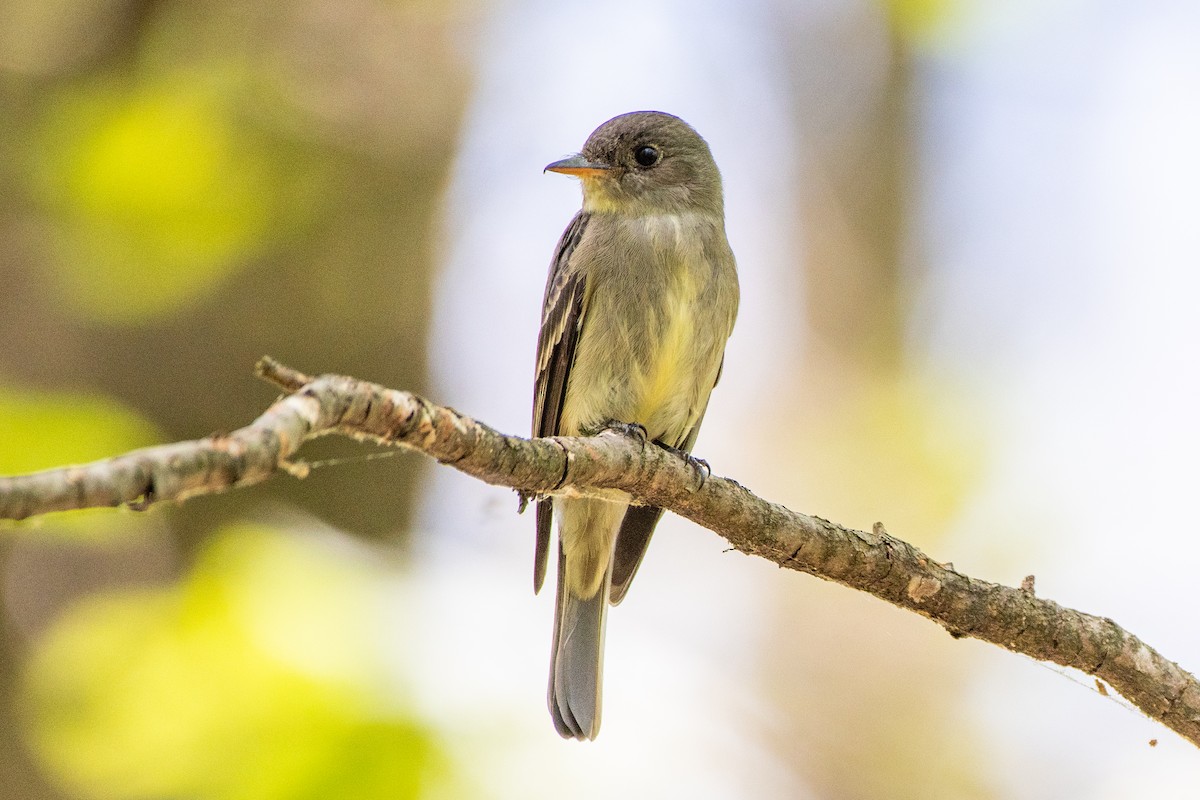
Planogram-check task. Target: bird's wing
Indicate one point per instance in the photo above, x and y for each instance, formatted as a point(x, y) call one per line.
point(562, 318)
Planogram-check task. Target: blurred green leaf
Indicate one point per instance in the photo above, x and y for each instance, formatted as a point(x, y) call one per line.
point(39, 430)
point(903, 446)
point(42, 430)
point(258, 678)
point(921, 21)
point(157, 192)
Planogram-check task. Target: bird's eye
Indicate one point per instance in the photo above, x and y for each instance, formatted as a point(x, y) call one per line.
point(646, 155)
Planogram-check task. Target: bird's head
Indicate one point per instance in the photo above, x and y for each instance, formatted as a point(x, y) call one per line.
point(645, 162)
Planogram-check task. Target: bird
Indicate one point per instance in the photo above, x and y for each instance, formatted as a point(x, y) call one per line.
point(641, 297)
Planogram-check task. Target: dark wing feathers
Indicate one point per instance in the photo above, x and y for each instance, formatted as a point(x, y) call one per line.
point(632, 540)
point(562, 315)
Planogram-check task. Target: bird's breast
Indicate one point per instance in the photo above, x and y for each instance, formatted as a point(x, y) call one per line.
point(663, 368)
point(654, 329)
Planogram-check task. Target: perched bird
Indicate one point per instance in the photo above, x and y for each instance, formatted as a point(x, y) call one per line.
point(641, 297)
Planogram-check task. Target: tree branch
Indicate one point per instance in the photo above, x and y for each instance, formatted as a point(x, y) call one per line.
point(874, 562)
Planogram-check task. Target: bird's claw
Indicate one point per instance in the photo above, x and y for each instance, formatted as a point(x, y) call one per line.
point(633, 430)
point(703, 470)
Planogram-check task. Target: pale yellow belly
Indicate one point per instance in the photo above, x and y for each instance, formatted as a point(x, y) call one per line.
point(653, 365)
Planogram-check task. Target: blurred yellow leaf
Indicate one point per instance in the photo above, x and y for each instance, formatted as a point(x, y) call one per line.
point(41, 430)
point(901, 449)
point(921, 21)
point(158, 196)
point(258, 678)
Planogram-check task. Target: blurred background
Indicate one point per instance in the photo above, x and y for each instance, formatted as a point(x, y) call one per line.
point(969, 257)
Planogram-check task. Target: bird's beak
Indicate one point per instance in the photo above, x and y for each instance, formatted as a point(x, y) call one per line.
point(578, 165)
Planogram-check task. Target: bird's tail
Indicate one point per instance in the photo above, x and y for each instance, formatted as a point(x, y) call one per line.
point(577, 658)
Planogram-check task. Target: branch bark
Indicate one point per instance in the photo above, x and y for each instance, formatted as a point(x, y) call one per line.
point(873, 562)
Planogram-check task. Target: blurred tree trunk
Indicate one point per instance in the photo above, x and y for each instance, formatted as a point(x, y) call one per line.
point(837, 684)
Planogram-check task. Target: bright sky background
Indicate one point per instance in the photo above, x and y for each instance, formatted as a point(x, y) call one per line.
point(1055, 260)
